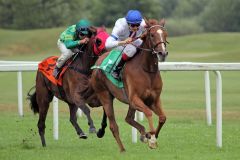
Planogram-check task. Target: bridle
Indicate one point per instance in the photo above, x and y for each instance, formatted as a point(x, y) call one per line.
point(152, 46)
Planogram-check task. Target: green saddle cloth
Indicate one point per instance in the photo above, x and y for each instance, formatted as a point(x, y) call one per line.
point(108, 64)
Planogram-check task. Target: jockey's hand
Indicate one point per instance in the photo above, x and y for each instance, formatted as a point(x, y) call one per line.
point(84, 41)
point(128, 40)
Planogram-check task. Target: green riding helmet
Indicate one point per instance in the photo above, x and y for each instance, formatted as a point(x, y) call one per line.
point(82, 26)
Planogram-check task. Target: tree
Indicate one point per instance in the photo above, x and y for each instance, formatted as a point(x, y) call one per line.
point(222, 15)
point(30, 14)
point(107, 11)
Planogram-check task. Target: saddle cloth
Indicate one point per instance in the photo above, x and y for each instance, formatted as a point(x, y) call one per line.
point(108, 64)
point(47, 66)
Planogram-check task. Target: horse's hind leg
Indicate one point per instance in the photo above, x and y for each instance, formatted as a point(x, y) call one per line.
point(43, 97)
point(73, 119)
point(86, 111)
point(107, 102)
point(130, 120)
point(43, 109)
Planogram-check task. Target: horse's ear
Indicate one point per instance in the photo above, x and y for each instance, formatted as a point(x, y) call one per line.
point(93, 30)
point(143, 36)
point(162, 22)
point(104, 28)
point(147, 23)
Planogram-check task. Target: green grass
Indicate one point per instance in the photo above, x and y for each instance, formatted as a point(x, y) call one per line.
point(211, 47)
point(185, 135)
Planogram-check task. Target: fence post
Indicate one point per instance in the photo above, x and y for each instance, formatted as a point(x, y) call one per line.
point(208, 99)
point(79, 112)
point(134, 131)
point(20, 97)
point(219, 108)
point(141, 116)
point(55, 118)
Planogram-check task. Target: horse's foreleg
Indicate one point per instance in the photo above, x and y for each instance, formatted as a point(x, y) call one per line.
point(139, 105)
point(101, 131)
point(86, 111)
point(162, 117)
point(73, 119)
point(130, 120)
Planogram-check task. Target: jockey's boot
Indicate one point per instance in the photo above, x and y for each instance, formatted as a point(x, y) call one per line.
point(56, 72)
point(117, 70)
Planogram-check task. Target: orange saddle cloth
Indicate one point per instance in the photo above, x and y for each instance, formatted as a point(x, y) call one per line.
point(47, 66)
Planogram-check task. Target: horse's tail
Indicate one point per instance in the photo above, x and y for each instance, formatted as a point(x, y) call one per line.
point(33, 100)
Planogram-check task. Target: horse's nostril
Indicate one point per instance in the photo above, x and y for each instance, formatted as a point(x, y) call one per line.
point(166, 53)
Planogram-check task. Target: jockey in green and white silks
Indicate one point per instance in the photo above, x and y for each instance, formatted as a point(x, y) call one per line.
point(74, 36)
point(125, 32)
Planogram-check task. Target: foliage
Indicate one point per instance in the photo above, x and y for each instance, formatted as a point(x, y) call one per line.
point(208, 16)
point(177, 27)
point(30, 14)
point(222, 15)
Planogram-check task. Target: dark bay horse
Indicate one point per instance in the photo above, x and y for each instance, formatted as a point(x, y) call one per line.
point(75, 90)
point(142, 83)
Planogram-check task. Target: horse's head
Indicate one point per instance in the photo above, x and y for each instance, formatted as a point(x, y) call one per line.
point(99, 40)
point(156, 38)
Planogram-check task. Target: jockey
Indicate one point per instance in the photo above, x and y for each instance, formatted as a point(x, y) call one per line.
point(74, 36)
point(124, 35)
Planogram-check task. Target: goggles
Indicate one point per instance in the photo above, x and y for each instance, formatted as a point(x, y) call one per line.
point(82, 34)
point(134, 25)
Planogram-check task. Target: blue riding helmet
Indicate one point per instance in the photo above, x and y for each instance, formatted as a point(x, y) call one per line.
point(134, 17)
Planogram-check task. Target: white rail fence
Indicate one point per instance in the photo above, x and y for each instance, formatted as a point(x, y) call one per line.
point(21, 66)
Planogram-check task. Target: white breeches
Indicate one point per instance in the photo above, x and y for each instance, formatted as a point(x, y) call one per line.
point(65, 54)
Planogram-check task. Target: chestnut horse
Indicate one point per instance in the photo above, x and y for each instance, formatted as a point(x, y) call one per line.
point(75, 89)
point(142, 84)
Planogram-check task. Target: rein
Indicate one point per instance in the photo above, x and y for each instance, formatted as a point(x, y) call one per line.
point(81, 51)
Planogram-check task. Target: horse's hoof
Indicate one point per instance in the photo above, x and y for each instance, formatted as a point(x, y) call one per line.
point(83, 136)
point(152, 142)
point(100, 133)
point(143, 139)
point(92, 130)
point(43, 144)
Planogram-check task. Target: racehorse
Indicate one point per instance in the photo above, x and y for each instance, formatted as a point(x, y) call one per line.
point(142, 83)
point(75, 89)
